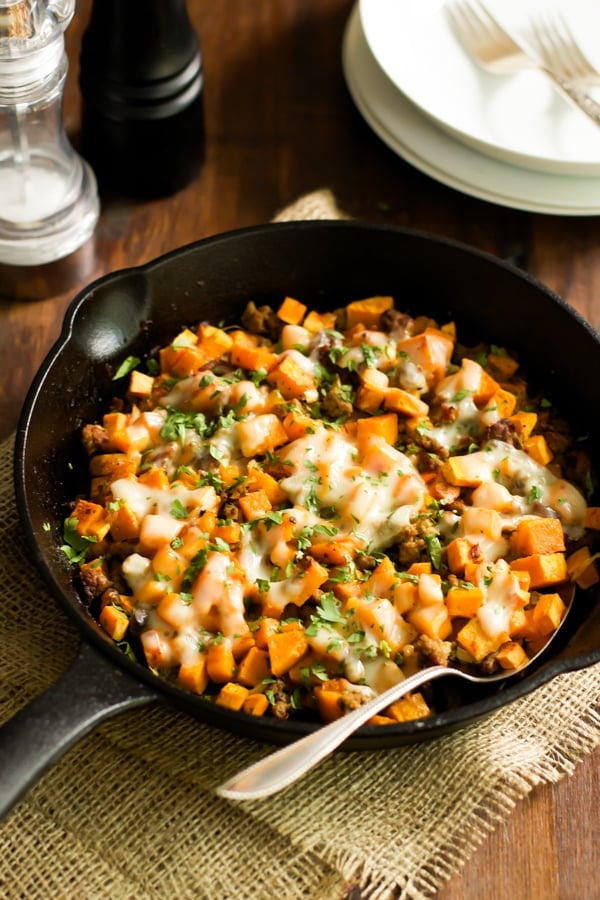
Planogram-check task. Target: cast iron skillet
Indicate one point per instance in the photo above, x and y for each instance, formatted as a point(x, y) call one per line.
point(325, 264)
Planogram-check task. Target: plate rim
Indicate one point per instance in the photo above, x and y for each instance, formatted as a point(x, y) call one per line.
point(421, 124)
point(549, 164)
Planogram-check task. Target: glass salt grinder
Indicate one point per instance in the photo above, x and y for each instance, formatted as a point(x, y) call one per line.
point(141, 80)
point(48, 198)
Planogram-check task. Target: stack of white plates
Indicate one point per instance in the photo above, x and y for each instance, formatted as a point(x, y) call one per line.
point(511, 140)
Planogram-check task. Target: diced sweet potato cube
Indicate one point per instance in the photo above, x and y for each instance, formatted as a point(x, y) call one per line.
point(382, 580)
point(461, 601)
point(385, 426)
point(511, 655)
point(406, 595)
point(155, 477)
point(380, 719)
point(412, 706)
point(479, 522)
point(545, 569)
point(115, 465)
point(239, 336)
point(536, 534)
point(338, 552)
point(291, 311)
point(430, 589)
point(297, 589)
point(114, 621)
point(404, 403)
point(286, 648)
point(261, 434)
point(140, 385)
point(525, 422)
point(367, 312)
point(181, 360)
point(266, 626)
point(254, 505)
point(432, 350)
point(520, 624)
point(316, 322)
point(547, 613)
point(475, 641)
point(115, 424)
point(371, 391)
point(230, 532)
point(461, 552)
point(255, 704)
point(213, 341)
point(194, 677)
point(329, 704)
point(582, 568)
point(232, 696)
point(258, 480)
point(432, 620)
point(252, 358)
point(254, 667)
point(241, 644)
point(524, 579)
point(469, 470)
point(503, 402)
point(220, 662)
point(487, 385)
point(297, 424)
point(537, 447)
point(381, 618)
point(124, 524)
point(420, 568)
point(91, 519)
point(291, 379)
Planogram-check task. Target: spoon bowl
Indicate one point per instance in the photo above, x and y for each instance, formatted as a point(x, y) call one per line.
point(283, 767)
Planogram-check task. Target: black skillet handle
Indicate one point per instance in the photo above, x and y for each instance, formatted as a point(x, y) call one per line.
point(91, 690)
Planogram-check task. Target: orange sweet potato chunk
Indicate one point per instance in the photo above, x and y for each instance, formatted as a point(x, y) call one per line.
point(582, 568)
point(367, 312)
point(545, 569)
point(232, 696)
point(286, 648)
point(538, 535)
point(291, 311)
point(254, 667)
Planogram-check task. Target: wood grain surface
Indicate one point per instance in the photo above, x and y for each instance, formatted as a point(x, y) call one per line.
point(280, 122)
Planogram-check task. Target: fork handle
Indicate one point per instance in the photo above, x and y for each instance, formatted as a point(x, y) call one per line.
point(575, 95)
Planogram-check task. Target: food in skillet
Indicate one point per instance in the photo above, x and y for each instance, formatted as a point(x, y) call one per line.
point(293, 514)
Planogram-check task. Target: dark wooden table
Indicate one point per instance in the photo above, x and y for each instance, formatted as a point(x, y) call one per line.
point(279, 123)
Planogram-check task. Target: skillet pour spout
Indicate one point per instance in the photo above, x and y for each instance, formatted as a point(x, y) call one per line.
point(129, 313)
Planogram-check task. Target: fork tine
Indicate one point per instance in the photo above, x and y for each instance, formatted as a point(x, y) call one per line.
point(466, 21)
point(560, 49)
point(475, 27)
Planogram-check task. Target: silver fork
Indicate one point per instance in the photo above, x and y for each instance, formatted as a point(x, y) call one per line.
point(496, 51)
point(560, 51)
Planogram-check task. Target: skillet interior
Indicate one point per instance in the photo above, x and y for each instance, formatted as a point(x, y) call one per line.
point(325, 264)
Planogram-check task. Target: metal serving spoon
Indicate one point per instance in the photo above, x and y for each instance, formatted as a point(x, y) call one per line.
point(282, 768)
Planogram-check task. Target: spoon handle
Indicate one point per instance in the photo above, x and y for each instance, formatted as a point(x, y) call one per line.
point(285, 766)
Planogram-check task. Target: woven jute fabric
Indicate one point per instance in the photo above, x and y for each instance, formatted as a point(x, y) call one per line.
point(130, 811)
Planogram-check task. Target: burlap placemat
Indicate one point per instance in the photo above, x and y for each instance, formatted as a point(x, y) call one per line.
point(129, 812)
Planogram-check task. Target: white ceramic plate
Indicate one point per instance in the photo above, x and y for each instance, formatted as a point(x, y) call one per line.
point(435, 152)
point(517, 118)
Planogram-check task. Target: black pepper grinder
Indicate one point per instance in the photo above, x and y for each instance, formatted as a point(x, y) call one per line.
point(141, 81)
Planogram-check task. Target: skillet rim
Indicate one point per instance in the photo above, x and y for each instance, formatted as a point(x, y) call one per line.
point(275, 731)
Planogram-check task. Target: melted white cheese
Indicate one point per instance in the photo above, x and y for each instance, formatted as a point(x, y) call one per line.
point(375, 500)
